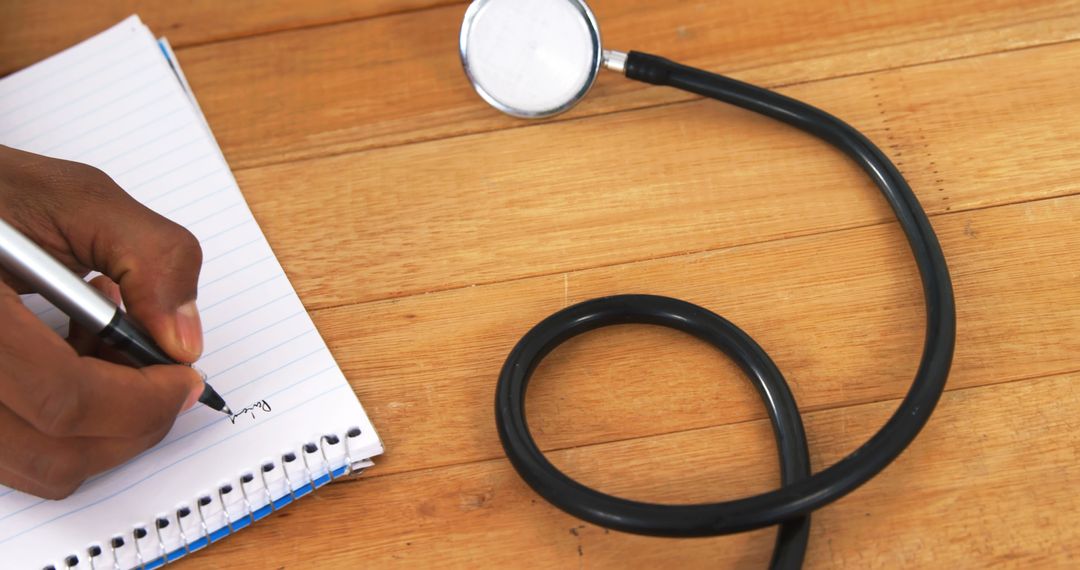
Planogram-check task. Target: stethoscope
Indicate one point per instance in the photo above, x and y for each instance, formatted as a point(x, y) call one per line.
point(537, 58)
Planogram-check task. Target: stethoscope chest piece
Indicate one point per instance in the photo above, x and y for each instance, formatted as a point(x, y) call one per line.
point(530, 58)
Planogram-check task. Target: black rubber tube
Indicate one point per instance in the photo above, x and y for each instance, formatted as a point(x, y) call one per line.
point(799, 494)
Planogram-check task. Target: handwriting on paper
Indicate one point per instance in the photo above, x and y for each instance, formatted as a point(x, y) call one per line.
point(260, 407)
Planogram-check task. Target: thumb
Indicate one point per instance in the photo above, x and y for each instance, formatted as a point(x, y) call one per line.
point(155, 262)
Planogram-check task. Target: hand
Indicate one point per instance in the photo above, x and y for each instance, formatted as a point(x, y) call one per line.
point(67, 411)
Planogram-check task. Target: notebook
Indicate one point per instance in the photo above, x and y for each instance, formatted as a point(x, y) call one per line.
point(119, 101)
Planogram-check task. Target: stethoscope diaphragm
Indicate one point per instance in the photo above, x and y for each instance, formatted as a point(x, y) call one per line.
point(530, 58)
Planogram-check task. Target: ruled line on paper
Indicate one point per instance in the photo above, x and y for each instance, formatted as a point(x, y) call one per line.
point(233, 250)
point(152, 200)
point(22, 510)
point(153, 82)
point(154, 120)
point(215, 419)
point(104, 162)
point(197, 200)
point(217, 326)
point(46, 310)
point(234, 227)
point(253, 333)
point(192, 223)
point(247, 360)
point(174, 463)
point(96, 129)
point(277, 348)
point(57, 121)
point(69, 81)
point(123, 110)
point(58, 69)
point(175, 436)
point(256, 285)
point(173, 151)
point(273, 348)
point(220, 347)
point(227, 275)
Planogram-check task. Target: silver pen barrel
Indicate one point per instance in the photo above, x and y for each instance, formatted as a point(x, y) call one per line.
point(34, 266)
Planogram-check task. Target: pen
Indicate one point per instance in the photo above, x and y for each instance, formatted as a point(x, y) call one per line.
point(86, 305)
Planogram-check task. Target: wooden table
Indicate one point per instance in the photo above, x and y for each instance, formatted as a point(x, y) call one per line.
point(426, 233)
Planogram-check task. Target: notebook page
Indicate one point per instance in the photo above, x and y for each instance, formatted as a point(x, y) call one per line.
point(115, 103)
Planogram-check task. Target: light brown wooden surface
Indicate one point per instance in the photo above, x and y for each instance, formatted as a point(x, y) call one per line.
point(426, 233)
point(35, 30)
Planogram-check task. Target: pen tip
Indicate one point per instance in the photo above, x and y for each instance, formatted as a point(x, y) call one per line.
point(227, 410)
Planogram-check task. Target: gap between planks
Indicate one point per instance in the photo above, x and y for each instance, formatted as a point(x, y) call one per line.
point(373, 473)
point(690, 99)
point(798, 235)
point(466, 368)
point(315, 25)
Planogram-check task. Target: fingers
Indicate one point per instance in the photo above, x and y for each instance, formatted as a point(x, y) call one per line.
point(53, 467)
point(80, 215)
point(64, 395)
point(113, 400)
point(64, 417)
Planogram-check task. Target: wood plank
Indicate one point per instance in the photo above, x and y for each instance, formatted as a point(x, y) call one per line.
point(31, 30)
point(840, 313)
point(564, 196)
point(991, 481)
point(824, 283)
point(398, 79)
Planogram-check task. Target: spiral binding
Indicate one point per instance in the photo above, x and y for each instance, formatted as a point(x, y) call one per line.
point(147, 545)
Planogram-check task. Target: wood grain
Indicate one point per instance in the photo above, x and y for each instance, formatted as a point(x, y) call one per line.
point(31, 30)
point(990, 481)
point(563, 196)
point(310, 93)
point(840, 314)
point(426, 234)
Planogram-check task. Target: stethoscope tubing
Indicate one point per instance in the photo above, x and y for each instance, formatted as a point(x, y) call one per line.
point(801, 492)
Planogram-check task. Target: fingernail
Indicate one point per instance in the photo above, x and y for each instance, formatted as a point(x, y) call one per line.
point(189, 329)
point(114, 295)
point(192, 398)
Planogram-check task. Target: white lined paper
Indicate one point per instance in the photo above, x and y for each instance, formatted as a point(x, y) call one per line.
point(115, 102)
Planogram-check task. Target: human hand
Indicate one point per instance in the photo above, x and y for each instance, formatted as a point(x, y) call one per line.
point(67, 410)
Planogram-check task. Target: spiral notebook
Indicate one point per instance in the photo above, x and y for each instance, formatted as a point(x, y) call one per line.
point(119, 101)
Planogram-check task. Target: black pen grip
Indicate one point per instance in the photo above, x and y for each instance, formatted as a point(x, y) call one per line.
point(140, 348)
point(133, 342)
